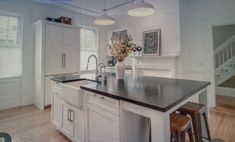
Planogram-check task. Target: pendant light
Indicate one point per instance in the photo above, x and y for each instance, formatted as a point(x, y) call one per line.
point(140, 9)
point(104, 19)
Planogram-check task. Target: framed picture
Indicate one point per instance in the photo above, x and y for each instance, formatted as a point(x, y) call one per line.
point(151, 42)
point(119, 35)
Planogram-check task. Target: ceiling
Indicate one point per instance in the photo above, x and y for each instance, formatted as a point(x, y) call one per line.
point(116, 8)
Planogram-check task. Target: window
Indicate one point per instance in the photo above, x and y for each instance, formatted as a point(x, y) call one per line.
point(88, 47)
point(10, 49)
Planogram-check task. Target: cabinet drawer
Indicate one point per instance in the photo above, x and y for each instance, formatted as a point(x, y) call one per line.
point(106, 103)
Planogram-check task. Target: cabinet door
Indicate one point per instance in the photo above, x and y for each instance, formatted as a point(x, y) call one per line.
point(71, 50)
point(53, 49)
point(56, 114)
point(67, 122)
point(48, 91)
point(102, 126)
point(79, 126)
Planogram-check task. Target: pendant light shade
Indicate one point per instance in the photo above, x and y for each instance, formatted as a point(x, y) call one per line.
point(104, 19)
point(140, 8)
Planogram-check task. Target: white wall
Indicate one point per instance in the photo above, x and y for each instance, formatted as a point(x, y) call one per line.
point(165, 18)
point(19, 91)
point(196, 21)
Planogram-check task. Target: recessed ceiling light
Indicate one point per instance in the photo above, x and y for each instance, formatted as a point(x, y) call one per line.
point(140, 8)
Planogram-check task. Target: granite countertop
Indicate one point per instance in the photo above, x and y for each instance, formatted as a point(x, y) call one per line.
point(153, 92)
point(156, 93)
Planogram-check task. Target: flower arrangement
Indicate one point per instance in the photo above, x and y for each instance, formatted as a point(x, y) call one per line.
point(121, 50)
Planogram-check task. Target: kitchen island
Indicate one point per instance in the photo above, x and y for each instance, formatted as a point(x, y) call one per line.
point(106, 103)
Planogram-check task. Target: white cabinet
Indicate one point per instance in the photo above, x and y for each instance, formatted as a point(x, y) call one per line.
point(68, 118)
point(62, 49)
point(57, 51)
point(48, 91)
point(79, 126)
point(54, 50)
point(102, 125)
point(56, 111)
point(73, 123)
point(96, 120)
point(65, 116)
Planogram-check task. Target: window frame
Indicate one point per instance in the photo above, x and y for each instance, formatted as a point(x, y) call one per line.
point(95, 32)
point(20, 18)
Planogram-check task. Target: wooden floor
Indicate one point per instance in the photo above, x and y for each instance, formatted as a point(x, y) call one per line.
point(27, 124)
point(222, 119)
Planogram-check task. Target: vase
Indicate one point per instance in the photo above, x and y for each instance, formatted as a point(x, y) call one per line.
point(120, 70)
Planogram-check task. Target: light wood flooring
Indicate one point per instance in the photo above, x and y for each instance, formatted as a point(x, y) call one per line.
point(27, 124)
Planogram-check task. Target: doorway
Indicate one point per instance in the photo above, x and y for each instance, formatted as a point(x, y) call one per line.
point(224, 59)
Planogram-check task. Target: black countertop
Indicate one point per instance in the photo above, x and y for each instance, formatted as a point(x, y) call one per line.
point(156, 93)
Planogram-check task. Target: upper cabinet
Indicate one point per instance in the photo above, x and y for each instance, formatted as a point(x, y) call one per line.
point(61, 49)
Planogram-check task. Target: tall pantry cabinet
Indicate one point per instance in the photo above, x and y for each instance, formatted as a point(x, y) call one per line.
point(56, 52)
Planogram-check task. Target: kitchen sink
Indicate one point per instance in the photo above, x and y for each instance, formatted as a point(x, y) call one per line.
point(72, 93)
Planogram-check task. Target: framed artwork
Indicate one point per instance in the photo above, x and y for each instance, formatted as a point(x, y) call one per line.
point(120, 35)
point(151, 42)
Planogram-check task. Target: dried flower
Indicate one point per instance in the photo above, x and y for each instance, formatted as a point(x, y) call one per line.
point(121, 50)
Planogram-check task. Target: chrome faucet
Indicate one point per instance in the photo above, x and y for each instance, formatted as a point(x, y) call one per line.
point(101, 73)
point(102, 65)
point(96, 63)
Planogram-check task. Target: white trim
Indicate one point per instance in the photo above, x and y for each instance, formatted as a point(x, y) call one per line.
point(225, 91)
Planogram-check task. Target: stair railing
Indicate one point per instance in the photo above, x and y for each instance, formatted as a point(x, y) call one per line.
point(225, 52)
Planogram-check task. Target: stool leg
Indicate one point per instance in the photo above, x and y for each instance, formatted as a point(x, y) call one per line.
point(172, 137)
point(207, 126)
point(190, 134)
point(182, 137)
point(196, 120)
point(177, 137)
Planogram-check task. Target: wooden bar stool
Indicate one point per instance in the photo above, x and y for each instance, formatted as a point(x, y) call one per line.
point(195, 111)
point(180, 124)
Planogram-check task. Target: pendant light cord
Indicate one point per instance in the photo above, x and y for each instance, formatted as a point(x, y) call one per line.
point(104, 6)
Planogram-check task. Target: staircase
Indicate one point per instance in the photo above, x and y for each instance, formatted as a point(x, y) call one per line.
point(224, 57)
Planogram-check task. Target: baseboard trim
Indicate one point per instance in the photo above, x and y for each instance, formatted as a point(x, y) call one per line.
point(225, 91)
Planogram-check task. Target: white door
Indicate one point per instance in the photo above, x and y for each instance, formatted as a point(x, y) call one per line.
point(56, 115)
point(68, 118)
point(71, 50)
point(102, 126)
point(79, 126)
point(53, 50)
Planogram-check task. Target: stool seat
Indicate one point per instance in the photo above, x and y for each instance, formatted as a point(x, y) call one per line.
point(179, 123)
point(192, 107)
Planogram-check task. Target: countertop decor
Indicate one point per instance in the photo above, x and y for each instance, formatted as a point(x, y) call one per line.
point(120, 50)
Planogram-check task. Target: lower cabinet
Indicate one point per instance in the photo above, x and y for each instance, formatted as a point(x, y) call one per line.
point(97, 121)
point(68, 119)
point(73, 123)
point(56, 111)
point(48, 91)
point(102, 126)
